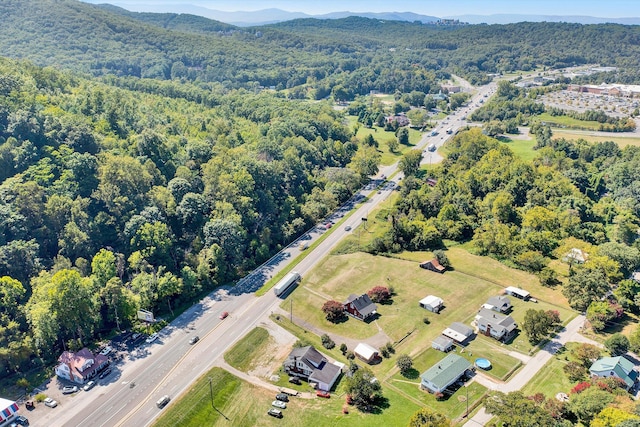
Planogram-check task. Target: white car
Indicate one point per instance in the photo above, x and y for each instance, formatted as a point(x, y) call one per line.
point(279, 404)
point(152, 337)
point(88, 386)
point(50, 402)
point(105, 351)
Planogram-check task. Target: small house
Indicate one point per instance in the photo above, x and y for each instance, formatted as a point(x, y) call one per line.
point(366, 353)
point(444, 373)
point(81, 366)
point(620, 367)
point(310, 364)
point(501, 304)
point(432, 303)
point(495, 325)
point(458, 332)
point(517, 292)
point(361, 307)
point(433, 265)
point(442, 343)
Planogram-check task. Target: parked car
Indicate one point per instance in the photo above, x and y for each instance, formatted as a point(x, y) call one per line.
point(50, 402)
point(152, 337)
point(224, 315)
point(105, 373)
point(88, 386)
point(294, 380)
point(282, 397)
point(105, 351)
point(279, 404)
point(275, 413)
point(69, 389)
point(194, 339)
point(21, 420)
point(324, 394)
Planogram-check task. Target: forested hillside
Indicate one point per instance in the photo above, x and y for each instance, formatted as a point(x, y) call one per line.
point(113, 199)
point(357, 53)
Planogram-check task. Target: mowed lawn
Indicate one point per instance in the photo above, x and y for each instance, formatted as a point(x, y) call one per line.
point(463, 290)
point(241, 404)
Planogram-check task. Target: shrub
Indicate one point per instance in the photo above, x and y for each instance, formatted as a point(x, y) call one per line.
point(327, 342)
point(350, 355)
point(379, 294)
point(575, 371)
point(426, 320)
point(389, 347)
point(404, 363)
point(580, 387)
point(343, 348)
point(334, 310)
point(40, 397)
point(384, 352)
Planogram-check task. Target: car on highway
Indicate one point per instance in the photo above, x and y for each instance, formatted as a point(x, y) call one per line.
point(279, 404)
point(194, 340)
point(50, 402)
point(275, 413)
point(88, 386)
point(431, 147)
point(162, 402)
point(152, 338)
point(347, 228)
point(105, 373)
point(69, 389)
point(224, 315)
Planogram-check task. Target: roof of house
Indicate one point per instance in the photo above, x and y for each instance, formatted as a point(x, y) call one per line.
point(362, 303)
point(431, 300)
point(499, 301)
point(446, 371)
point(365, 351)
point(499, 322)
point(442, 341)
point(326, 373)
point(434, 262)
point(458, 331)
point(309, 355)
point(76, 360)
point(621, 366)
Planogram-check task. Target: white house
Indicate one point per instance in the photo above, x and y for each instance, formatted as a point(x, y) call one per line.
point(432, 303)
point(310, 364)
point(495, 325)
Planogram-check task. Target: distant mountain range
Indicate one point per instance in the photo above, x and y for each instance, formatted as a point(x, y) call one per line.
point(271, 16)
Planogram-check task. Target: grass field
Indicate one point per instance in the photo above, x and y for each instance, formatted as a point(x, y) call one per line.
point(622, 141)
point(242, 355)
point(567, 122)
point(550, 380)
point(523, 148)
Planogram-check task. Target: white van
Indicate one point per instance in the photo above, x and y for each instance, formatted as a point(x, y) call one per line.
point(163, 401)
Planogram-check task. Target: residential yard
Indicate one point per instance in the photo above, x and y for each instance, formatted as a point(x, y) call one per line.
point(550, 380)
point(241, 404)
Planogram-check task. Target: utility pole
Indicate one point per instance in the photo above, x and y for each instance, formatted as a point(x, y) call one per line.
point(211, 392)
point(291, 311)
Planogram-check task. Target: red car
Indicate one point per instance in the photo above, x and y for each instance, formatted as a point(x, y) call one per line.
point(224, 315)
point(324, 394)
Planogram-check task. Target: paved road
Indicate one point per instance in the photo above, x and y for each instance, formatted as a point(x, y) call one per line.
point(571, 333)
point(127, 397)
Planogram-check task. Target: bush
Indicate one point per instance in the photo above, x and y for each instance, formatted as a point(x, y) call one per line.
point(575, 371)
point(426, 320)
point(580, 387)
point(350, 355)
point(617, 344)
point(40, 397)
point(334, 310)
point(384, 352)
point(389, 347)
point(343, 348)
point(327, 342)
point(379, 294)
point(404, 363)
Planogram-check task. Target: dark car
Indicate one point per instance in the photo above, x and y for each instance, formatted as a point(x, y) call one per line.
point(294, 380)
point(282, 397)
point(275, 413)
point(22, 421)
point(105, 373)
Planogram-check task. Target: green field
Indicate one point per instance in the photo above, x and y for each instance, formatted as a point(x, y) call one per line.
point(242, 355)
point(622, 140)
point(567, 122)
point(523, 148)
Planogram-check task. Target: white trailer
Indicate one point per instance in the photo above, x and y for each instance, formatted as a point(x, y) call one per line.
point(286, 283)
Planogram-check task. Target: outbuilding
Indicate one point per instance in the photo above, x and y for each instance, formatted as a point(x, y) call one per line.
point(459, 332)
point(517, 292)
point(432, 303)
point(366, 353)
point(442, 343)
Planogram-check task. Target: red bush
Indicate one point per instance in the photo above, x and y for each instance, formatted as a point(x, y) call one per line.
point(379, 294)
point(580, 387)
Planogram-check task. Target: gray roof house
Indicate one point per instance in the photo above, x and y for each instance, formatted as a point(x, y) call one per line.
point(310, 364)
point(361, 307)
point(444, 373)
point(442, 343)
point(501, 304)
point(495, 325)
point(459, 332)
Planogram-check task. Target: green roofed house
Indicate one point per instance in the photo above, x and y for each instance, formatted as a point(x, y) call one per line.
point(620, 367)
point(446, 372)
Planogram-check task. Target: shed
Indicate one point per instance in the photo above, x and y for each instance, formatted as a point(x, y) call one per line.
point(432, 303)
point(442, 343)
point(365, 352)
point(517, 292)
point(433, 265)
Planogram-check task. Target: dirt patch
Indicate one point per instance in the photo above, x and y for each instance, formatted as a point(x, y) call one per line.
point(274, 352)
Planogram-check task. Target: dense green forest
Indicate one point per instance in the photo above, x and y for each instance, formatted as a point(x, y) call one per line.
point(113, 199)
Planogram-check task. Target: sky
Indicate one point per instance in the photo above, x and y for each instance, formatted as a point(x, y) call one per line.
point(439, 8)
